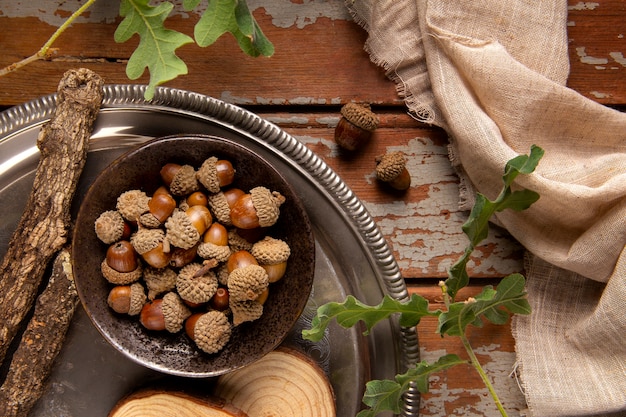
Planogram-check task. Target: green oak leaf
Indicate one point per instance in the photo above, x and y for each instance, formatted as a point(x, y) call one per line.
point(386, 395)
point(351, 311)
point(234, 17)
point(476, 227)
point(495, 305)
point(157, 45)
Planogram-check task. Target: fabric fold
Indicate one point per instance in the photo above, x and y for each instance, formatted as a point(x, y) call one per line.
point(493, 74)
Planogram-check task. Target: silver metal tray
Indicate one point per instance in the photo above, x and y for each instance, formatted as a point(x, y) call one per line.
point(352, 257)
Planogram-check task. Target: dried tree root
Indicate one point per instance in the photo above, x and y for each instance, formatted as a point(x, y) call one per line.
point(41, 342)
point(159, 403)
point(44, 225)
point(283, 383)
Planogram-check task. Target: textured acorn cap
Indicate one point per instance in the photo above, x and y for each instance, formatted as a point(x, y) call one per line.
point(137, 299)
point(144, 240)
point(195, 289)
point(207, 175)
point(360, 115)
point(109, 226)
point(222, 274)
point(236, 242)
point(267, 205)
point(132, 204)
point(220, 208)
point(390, 165)
point(149, 220)
point(180, 232)
point(120, 278)
point(247, 283)
point(245, 311)
point(185, 181)
point(212, 331)
point(208, 250)
point(174, 312)
point(159, 280)
point(269, 251)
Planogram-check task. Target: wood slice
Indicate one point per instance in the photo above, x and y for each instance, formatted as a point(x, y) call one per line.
point(156, 403)
point(283, 383)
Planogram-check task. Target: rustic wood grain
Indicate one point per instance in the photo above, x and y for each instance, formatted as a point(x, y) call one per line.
point(319, 65)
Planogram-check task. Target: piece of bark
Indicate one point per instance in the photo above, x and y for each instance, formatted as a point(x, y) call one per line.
point(173, 403)
point(44, 226)
point(283, 383)
point(41, 341)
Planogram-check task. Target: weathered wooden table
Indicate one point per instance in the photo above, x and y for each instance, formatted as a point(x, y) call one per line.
point(318, 66)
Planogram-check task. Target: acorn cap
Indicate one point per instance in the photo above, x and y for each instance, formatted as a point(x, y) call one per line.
point(390, 165)
point(120, 278)
point(132, 204)
point(212, 331)
point(159, 280)
point(174, 312)
point(208, 250)
point(222, 274)
point(180, 232)
point(184, 182)
point(109, 226)
point(236, 242)
point(137, 299)
point(245, 311)
point(144, 240)
point(195, 289)
point(247, 283)
point(220, 208)
point(207, 175)
point(360, 115)
point(267, 205)
point(269, 251)
point(149, 220)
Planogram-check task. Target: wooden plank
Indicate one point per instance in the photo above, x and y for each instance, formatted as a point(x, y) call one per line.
point(597, 50)
point(319, 56)
point(422, 225)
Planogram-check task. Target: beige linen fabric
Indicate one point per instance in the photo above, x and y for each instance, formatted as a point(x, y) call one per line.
point(493, 74)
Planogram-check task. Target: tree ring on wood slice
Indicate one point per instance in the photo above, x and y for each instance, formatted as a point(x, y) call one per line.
point(154, 402)
point(285, 383)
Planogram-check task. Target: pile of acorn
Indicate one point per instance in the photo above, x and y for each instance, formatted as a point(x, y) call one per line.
point(194, 255)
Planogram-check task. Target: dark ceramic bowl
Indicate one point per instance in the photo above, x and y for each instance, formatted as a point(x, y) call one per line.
point(176, 354)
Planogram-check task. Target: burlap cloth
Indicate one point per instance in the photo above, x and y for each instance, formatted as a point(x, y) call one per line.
point(492, 73)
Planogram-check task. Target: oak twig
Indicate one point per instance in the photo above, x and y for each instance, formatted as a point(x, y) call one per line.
point(41, 342)
point(44, 226)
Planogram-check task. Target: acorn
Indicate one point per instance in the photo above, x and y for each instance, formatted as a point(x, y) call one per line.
point(110, 226)
point(240, 259)
point(175, 312)
point(122, 256)
point(220, 299)
point(180, 231)
point(211, 331)
point(200, 217)
point(356, 126)
point(197, 198)
point(161, 205)
point(159, 280)
point(127, 299)
point(215, 244)
point(215, 173)
point(196, 289)
point(391, 169)
point(132, 204)
point(181, 179)
point(247, 283)
point(259, 208)
point(151, 315)
point(272, 255)
point(153, 247)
